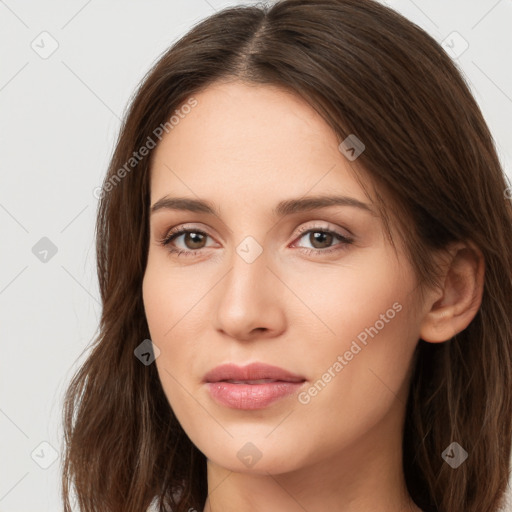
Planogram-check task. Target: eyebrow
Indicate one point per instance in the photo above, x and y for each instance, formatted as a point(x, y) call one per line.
point(283, 208)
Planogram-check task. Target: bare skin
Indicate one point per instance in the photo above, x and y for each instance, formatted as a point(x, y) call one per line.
point(244, 149)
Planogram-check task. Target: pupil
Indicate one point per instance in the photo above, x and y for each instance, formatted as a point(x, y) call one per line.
point(194, 238)
point(319, 236)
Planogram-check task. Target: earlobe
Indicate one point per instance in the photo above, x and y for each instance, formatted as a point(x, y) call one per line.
point(451, 308)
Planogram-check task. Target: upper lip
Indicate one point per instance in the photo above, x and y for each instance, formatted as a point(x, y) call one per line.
point(253, 371)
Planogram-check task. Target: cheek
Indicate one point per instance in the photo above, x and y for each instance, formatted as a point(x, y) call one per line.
point(358, 379)
point(166, 314)
point(338, 302)
point(170, 298)
point(364, 335)
point(173, 302)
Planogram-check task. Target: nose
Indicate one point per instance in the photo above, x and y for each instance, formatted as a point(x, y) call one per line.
point(250, 299)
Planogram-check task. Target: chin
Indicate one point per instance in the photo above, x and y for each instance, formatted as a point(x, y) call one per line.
point(256, 455)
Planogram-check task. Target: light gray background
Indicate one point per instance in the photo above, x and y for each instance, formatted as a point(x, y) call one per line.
point(60, 116)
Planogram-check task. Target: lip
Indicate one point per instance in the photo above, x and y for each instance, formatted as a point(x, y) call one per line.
point(243, 392)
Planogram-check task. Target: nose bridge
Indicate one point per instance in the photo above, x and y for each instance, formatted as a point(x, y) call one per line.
point(249, 254)
point(249, 266)
point(250, 250)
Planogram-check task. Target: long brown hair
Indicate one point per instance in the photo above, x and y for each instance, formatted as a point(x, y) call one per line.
point(370, 72)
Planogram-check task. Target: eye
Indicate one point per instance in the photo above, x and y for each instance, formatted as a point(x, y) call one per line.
point(321, 240)
point(194, 240)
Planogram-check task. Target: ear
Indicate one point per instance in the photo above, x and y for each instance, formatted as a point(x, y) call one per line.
point(452, 306)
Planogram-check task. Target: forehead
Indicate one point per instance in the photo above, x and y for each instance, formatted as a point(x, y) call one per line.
point(252, 142)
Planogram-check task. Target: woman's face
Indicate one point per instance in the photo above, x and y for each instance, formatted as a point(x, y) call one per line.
point(271, 277)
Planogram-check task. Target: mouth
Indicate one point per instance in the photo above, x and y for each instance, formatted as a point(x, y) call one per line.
point(259, 381)
point(254, 386)
point(254, 373)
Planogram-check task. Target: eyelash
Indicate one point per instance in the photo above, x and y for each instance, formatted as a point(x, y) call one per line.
point(175, 233)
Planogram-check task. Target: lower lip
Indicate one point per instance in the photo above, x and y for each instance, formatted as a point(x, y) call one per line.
point(251, 396)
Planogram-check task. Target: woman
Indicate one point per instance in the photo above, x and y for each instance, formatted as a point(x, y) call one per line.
point(304, 255)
